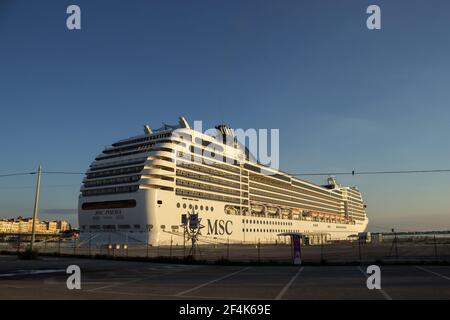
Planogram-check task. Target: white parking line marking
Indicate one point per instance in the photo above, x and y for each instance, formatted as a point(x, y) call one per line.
point(134, 280)
point(30, 272)
point(384, 293)
point(212, 281)
point(432, 272)
point(286, 287)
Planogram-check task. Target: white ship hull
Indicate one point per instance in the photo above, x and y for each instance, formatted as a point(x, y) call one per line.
point(218, 227)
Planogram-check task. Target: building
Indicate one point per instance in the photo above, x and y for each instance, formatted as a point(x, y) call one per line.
point(52, 227)
point(25, 225)
point(63, 226)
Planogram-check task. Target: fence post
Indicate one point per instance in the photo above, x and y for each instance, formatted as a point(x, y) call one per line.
point(396, 247)
point(435, 248)
point(321, 248)
point(184, 242)
point(259, 251)
point(359, 250)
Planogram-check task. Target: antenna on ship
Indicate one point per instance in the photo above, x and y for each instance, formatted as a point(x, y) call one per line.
point(147, 129)
point(183, 123)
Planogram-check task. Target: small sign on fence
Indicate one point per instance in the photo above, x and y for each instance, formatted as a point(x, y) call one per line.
point(297, 249)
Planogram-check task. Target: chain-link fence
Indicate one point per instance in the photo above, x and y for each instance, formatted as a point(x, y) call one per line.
point(394, 249)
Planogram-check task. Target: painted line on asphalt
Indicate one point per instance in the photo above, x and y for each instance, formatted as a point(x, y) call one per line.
point(384, 293)
point(286, 287)
point(211, 282)
point(31, 272)
point(135, 280)
point(150, 294)
point(432, 272)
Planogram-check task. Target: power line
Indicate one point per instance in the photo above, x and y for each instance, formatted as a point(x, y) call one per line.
point(353, 173)
point(43, 187)
point(34, 172)
point(17, 174)
point(62, 172)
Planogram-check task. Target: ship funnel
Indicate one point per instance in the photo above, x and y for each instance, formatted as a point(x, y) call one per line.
point(332, 181)
point(225, 130)
point(227, 134)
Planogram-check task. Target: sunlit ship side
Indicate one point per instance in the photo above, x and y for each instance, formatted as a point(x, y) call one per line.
point(137, 189)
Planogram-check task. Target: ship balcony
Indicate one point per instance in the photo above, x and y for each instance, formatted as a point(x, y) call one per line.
point(159, 163)
point(162, 153)
point(154, 181)
point(160, 171)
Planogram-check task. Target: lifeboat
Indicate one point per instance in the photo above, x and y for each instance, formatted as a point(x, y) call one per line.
point(231, 210)
point(286, 213)
point(273, 211)
point(257, 208)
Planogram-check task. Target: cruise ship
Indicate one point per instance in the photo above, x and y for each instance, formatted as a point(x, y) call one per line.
point(138, 189)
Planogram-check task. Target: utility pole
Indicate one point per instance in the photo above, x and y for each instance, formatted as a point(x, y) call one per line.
point(36, 206)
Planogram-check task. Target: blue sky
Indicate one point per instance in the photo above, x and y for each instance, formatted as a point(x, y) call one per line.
point(344, 98)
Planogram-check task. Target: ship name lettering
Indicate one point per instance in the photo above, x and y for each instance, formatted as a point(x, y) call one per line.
point(219, 227)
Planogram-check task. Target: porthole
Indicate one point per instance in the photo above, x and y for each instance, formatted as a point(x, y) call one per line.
point(196, 207)
point(212, 209)
point(190, 206)
point(201, 207)
point(206, 208)
point(178, 205)
point(184, 205)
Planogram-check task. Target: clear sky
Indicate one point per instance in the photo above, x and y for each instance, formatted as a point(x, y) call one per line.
point(344, 98)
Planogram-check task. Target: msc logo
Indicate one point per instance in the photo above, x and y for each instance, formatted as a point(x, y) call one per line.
point(220, 227)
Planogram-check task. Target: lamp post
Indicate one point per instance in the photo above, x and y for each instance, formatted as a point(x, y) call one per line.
point(36, 206)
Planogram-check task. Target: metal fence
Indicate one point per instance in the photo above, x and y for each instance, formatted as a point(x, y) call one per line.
point(423, 249)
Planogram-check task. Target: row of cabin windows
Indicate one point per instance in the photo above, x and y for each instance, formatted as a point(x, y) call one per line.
point(198, 168)
point(95, 192)
point(111, 227)
point(147, 149)
point(207, 178)
point(121, 180)
point(268, 222)
point(202, 195)
point(206, 187)
point(114, 172)
point(141, 146)
point(121, 163)
point(268, 230)
point(159, 136)
point(196, 207)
